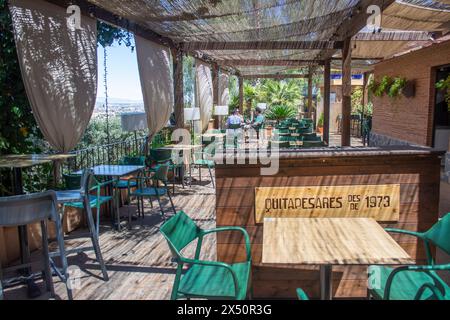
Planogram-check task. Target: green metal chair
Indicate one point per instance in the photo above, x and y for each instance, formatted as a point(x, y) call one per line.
point(129, 161)
point(204, 279)
point(415, 282)
point(204, 160)
point(160, 157)
point(148, 187)
point(301, 295)
point(95, 200)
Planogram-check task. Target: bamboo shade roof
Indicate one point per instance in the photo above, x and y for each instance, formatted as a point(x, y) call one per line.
point(220, 29)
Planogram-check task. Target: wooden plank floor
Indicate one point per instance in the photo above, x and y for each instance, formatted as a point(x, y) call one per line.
point(138, 260)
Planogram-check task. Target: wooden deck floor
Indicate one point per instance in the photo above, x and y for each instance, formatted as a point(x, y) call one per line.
point(138, 260)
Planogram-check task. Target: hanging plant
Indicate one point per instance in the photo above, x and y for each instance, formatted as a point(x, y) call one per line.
point(396, 87)
point(384, 86)
point(373, 86)
point(444, 85)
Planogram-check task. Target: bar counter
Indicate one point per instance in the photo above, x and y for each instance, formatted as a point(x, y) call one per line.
point(410, 177)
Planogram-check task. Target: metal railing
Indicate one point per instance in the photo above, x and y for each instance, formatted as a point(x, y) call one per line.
point(112, 153)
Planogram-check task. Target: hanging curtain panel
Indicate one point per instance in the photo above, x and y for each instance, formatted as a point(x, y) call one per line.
point(224, 91)
point(58, 60)
point(204, 92)
point(156, 83)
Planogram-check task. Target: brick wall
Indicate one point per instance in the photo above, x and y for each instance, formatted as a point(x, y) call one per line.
point(410, 119)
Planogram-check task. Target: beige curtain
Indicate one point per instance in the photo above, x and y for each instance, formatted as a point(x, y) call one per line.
point(204, 93)
point(224, 92)
point(59, 69)
point(156, 83)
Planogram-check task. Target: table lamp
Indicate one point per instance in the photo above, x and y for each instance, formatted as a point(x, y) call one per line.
point(192, 114)
point(133, 122)
point(220, 111)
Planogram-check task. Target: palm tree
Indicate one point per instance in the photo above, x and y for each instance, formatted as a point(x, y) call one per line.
point(281, 93)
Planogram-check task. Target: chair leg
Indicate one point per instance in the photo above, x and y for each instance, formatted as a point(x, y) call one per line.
point(142, 208)
point(97, 225)
point(211, 175)
point(171, 202)
point(200, 174)
point(94, 239)
point(47, 272)
point(159, 202)
point(63, 257)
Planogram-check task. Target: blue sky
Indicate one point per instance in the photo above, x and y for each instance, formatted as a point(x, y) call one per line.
point(123, 74)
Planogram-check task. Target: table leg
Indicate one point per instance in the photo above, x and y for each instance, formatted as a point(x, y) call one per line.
point(326, 281)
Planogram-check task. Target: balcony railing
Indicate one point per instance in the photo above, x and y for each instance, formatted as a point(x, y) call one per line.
point(112, 153)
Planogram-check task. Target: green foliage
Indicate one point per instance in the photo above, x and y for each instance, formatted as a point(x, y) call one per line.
point(107, 35)
point(321, 120)
point(188, 81)
point(366, 109)
point(444, 85)
point(357, 98)
point(396, 87)
point(234, 102)
point(18, 128)
point(391, 86)
point(280, 112)
point(95, 133)
point(276, 93)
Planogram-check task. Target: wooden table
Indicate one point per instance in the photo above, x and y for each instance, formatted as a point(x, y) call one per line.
point(114, 172)
point(327, 242)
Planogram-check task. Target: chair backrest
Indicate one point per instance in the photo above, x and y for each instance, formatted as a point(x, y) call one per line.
point(160, 155)
point(27, 209)
point(439, 234)
point(161, 173)
point(179, 231)
point(133, 161)
point(72, 181)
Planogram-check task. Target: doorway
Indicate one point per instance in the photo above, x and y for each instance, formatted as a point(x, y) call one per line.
point(441, 130)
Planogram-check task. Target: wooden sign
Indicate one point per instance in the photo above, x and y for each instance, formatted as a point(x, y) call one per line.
point(380, 202)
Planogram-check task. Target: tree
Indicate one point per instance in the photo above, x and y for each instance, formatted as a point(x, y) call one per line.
point(281, 93)
point(18, 128)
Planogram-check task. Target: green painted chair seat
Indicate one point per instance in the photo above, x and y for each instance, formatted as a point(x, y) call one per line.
point(406, 284)
point(211, 281)
point(92, 201)
point(204, 162)
point(148, 192)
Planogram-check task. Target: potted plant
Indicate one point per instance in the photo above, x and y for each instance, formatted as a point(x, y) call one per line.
point(444, 85)
point(320, 122)
point(396, 87)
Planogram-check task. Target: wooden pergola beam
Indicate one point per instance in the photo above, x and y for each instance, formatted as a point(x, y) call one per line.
point(262, 45)
point(275, 76)
point(269, 62)
point(393, 36)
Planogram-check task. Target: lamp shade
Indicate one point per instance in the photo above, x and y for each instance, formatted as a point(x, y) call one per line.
point(191, 114)
point(133, 121)
point(262, 106)
point(221, 110)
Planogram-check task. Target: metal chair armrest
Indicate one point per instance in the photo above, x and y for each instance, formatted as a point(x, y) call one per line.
point(434, 289)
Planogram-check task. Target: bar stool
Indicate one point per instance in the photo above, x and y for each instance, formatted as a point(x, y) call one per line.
point(82, 195)
point(28, 209)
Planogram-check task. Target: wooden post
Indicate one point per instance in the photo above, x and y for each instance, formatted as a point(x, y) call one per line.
point(241, 95)
point(215, 84)
point(346, 92)
point(310, 92)
point(326, 101)
point(177, 56)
